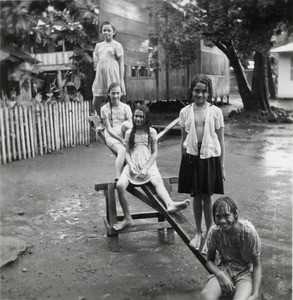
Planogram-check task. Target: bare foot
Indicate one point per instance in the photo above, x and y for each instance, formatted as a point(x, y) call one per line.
point(124, 223)
point(178, 206)
point(196, 241)
point(204, 249)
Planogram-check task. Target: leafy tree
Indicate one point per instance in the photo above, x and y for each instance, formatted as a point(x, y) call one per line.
point(27, 23)
point(241, 29)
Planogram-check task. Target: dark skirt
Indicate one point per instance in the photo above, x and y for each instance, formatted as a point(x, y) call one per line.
point(200, 176)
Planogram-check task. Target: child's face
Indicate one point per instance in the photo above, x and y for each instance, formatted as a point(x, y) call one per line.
point(224, 217)
point(138, 118)
point(200, 93)
point(107, 32)
point(115, 95)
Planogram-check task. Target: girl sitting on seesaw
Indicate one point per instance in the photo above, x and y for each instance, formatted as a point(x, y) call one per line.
point(141, 152)
point(239, 271)
point(117, 119)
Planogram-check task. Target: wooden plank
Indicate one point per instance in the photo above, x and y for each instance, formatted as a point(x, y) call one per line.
point(56, 125)
point(177, 220)
point(7, 135)
point(79, 122)
point(31, 132)
point(48, 128)
point(12, 134)
point(112, 204)
point(22, 134)
point(17, 132)
point(51, 121)
point(168, 128)
point(73, 116)
point(43, 124)
point(133, 11)
point(66, 124)
point(61, 132)
point(27, 136)
point(2, 129)
point(39, 128)
point(35, 130)
point(70, 124)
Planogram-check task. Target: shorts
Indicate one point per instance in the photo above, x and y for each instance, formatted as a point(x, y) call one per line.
point(244, 275)
point(200, 176)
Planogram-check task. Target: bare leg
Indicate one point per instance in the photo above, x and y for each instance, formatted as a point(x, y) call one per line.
point(164, 195)
point(197, 212)
point(208, 214)
point(97, 103)
point(121, 189)
point(243, 291)
point(212, 290)
point(119, 163)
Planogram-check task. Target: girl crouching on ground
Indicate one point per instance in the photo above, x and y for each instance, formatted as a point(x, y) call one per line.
point(239, 271)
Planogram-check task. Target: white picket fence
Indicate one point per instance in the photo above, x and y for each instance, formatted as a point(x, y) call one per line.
point(35, 129)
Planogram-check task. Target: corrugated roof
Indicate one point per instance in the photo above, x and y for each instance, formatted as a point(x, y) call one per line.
point(284, 48)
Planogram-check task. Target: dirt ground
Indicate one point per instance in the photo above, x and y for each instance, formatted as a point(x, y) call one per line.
point(49, 202)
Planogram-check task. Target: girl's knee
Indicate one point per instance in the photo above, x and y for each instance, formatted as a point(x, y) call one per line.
point(206, 295)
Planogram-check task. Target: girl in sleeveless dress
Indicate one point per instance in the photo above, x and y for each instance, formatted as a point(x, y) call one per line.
point(141, 153)
point(109, 57)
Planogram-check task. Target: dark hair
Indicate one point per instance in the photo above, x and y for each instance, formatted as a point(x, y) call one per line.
point(147, 124)
point(202, 79)
point(229, 202)
point(108, 99)
point(108, 23)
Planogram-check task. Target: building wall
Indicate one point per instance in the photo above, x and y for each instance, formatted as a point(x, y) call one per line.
point(285, 76)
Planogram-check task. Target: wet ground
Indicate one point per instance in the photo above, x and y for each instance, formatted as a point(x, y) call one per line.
point(49, 202)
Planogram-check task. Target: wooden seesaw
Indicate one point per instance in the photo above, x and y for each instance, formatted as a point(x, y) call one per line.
point(176, 221)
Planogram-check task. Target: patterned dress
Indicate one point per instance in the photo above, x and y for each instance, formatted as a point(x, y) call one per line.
point(107, 70)
point(140, 155)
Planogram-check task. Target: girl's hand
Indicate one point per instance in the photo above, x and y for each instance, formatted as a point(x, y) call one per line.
point(133, 169)
point(223, 173)
point(142, 173)
point(225, 283)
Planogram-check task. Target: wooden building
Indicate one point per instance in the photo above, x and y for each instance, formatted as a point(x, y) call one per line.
point(133, 25)
point(285, 70)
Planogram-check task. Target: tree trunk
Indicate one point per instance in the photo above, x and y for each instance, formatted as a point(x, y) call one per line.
point(243, 85)
point(272, 90)
point(259, 86)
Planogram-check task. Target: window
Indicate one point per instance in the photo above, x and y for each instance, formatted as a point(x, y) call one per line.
point(140, 71)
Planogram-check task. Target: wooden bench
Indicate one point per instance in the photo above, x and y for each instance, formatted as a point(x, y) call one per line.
point(111, 217)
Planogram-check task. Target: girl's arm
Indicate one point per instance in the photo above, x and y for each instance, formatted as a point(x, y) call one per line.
point(121, 68)
point(128, 156)
point(183, 137)
point(220, 133)
point(224, 281)
point(111, 131)
point(256, 277)
point(95, 56)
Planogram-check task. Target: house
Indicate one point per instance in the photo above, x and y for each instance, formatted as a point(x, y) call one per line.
point(12, 61)
point(285, 70)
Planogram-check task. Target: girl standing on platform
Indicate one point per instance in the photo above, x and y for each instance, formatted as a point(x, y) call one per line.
point(239, 271)
point(117, 119)
point(141, 153)
point(202, 148)
point(109, 56)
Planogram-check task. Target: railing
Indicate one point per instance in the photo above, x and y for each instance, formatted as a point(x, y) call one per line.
point(35, 129)
point(54, 58)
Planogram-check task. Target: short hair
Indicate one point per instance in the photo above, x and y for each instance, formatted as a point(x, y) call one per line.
point(202, 79)
point(227, 201)
point(108, 23)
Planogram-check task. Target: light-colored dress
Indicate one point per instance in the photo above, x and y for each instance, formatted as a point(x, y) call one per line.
point(116, 117)
point(140, 155)
point(107, 70)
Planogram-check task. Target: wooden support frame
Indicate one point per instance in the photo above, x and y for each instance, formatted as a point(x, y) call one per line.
point(111, 218)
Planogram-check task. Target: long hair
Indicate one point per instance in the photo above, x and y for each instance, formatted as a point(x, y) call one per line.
point(147, 124)
point(111, 24)
point(108, 99)
point(202, 79)
point(226, 201)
